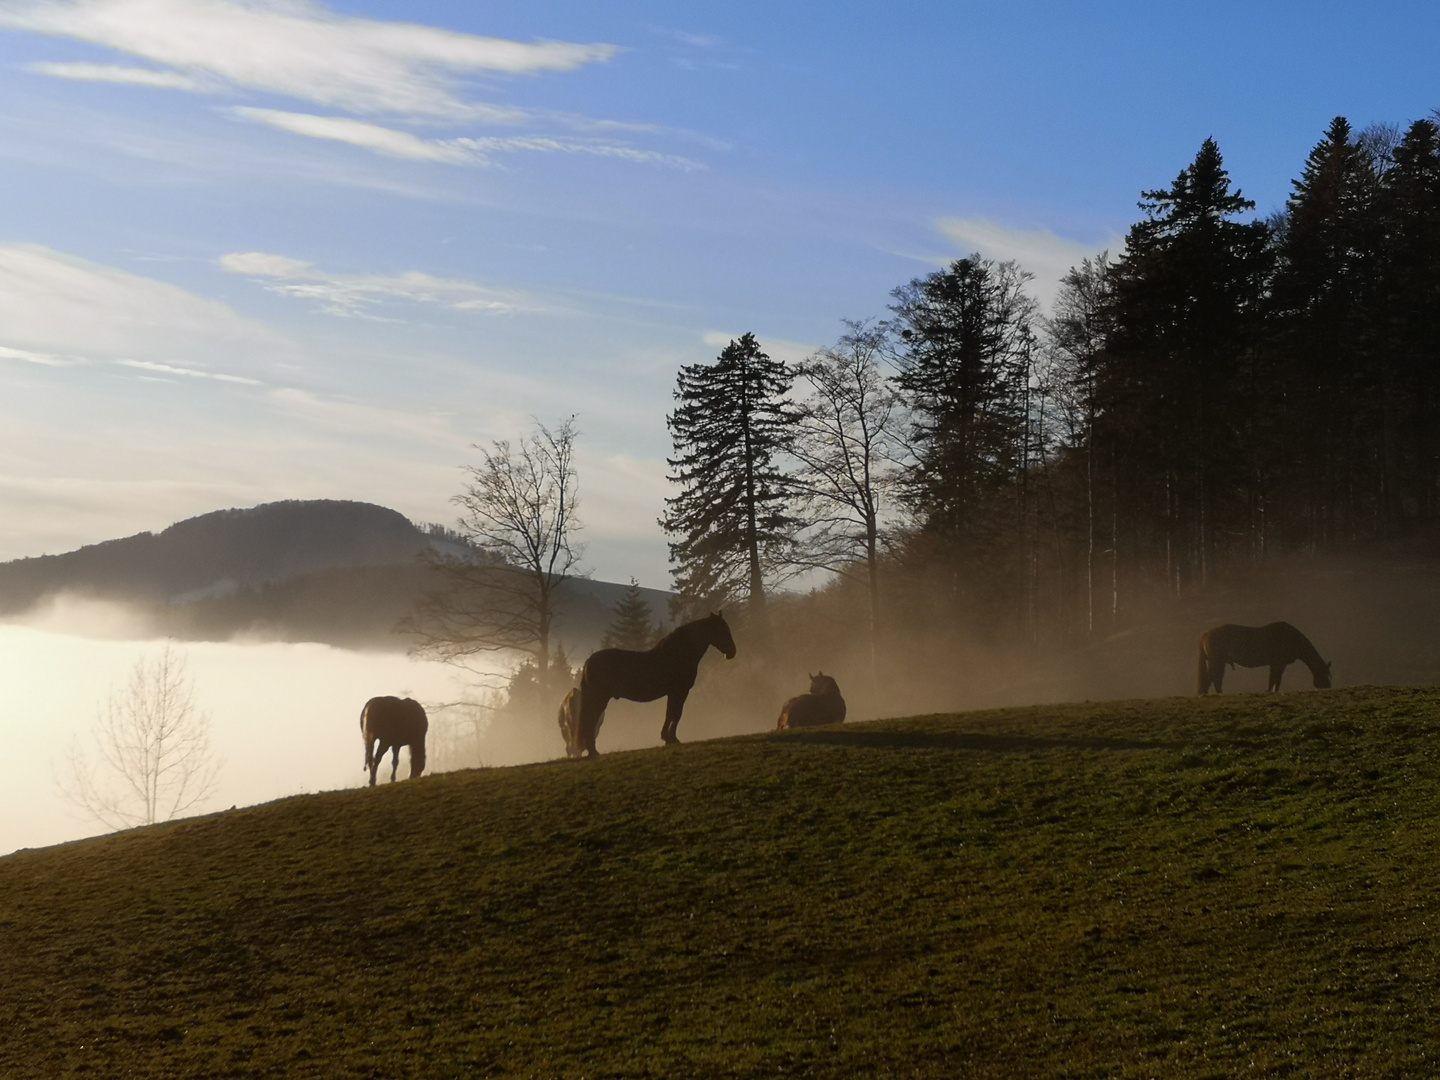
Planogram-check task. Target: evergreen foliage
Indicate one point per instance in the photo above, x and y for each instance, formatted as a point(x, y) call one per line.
point(632, 627)
point(731, 519)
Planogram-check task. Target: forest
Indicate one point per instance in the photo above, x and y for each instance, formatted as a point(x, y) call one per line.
point(1227, 390)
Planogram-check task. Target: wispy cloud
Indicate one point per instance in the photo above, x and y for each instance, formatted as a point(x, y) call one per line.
point(116, 73)
point(459, 151)
point(791, 352)
point(56, 307)
point(190, 373)
point(300, 49)
point(1048, 256)
point(352, 294)
point(29, 357)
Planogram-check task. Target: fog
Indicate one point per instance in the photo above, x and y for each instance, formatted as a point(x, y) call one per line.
point(284, 717)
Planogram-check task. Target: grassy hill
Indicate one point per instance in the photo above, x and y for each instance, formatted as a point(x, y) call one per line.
point(1182, 888)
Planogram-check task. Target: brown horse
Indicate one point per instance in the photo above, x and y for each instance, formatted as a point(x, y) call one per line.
point(822, 705)
point(668, 670)
point(1277, 646)
point(393, 722)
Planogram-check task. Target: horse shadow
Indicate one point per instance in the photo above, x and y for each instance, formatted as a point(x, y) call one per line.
point(962, 740)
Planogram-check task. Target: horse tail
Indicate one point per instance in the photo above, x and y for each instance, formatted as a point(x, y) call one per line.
point(369, 748)
point(1203, 675)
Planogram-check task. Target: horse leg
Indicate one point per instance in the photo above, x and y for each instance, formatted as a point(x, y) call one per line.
point(589, 723)
point(394, 761)
point(674, 704)
point(1277, 671)
point(373, 754)
point(1217, 676)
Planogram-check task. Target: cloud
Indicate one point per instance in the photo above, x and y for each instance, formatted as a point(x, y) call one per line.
point(1040, 251)
point(192, 373)
point(382, 140)
point(56, 307)
point(351, 294)
point(460, 151)
point(300, 49)
point(43, 359)
point(791, 352)
point(114, 73)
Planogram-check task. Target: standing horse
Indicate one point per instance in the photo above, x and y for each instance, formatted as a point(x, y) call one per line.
point(1277, 646)
point(393, 722)
point(822, 705)
point(668, 671)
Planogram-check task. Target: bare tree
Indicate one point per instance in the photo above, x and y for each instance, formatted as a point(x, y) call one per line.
point(846, 441)
point(519, 523)
point(151, 759)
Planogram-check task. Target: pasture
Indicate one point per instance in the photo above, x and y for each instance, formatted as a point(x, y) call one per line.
point(1231, 886)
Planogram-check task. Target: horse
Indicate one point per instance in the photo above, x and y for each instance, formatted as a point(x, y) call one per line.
point(822, 705)
point(570, 720)
point(1277, 645)
point(393, 722)
point(668, 671)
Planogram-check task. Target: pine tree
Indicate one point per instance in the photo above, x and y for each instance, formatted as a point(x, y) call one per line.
point(632, 627)
point(1187, 293)
point(966, 355)
point(730, 518)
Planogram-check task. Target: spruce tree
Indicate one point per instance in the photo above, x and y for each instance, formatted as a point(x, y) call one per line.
point(730, 518)
point(965, 356)
point(632, 627)
point(1186, 317)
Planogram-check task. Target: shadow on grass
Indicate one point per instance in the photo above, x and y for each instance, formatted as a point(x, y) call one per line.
point(959, 740)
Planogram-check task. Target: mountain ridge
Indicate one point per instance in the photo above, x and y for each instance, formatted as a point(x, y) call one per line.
point(340, 572)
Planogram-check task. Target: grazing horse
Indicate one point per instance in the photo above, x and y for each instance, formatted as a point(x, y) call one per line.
point(393, 722)
point(1277, 646)
point(668, 671)
point(570, 722)
point(822, 705)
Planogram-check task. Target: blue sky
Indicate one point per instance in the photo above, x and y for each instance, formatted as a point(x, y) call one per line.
point(283, 249)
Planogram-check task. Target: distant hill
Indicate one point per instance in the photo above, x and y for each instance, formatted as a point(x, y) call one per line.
point(323, 570)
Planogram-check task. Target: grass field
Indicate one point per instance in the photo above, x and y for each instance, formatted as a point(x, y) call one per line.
point(1236, 886)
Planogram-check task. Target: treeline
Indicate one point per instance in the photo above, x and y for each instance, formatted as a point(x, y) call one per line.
point(1223, 390)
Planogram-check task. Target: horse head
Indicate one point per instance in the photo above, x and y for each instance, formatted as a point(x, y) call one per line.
point(719, 631)
point(1322, 678)
point(820, 683)
point(417, 757)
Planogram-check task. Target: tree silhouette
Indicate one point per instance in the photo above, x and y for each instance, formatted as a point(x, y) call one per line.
point(730, 518)
point(632, 627)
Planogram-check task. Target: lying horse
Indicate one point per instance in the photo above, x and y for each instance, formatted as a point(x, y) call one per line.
point(668, 671)
point(394, 722)
point(822, 705)
point(1277, 646)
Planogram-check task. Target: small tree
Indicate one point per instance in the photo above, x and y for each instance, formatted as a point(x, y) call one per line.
point(730, 518)
point(151, 758)
point(632, 627)
point(519, 524)
point(846, 441)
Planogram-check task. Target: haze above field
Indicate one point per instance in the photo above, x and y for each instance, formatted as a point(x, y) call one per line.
point(268, 250)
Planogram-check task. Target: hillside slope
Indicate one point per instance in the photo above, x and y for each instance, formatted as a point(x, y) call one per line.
point(1186, 888)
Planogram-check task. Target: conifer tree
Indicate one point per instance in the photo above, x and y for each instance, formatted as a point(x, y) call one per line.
point(1187, 292)
point(632, 627)
point(730, 518)
point(966, 344)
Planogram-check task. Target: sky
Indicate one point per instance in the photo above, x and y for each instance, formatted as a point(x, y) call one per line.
point(265, 249)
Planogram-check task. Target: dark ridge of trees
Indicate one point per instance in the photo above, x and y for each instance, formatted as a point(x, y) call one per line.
point(1226, 390)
